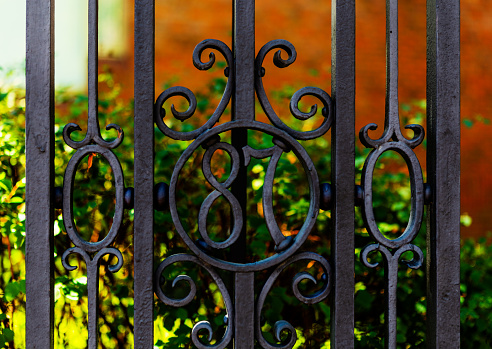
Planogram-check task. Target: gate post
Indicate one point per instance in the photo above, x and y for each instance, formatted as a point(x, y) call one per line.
point(343, 173)
point(39, 173)
point(243, 108)
point(443, 167)
point(143, 238)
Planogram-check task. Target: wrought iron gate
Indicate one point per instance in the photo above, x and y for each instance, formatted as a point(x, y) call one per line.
point(244, 74)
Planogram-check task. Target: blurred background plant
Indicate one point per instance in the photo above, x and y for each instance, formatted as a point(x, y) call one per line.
point(94, 205)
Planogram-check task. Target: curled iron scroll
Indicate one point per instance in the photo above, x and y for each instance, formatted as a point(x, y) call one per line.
point(202, 325)
point(93, 134)
point(283, 325)
point(93, 262)
point(392, 132)
point(159, 111)
point(393, 258)
point(325, 99)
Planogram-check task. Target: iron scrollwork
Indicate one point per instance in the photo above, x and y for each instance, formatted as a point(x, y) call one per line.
point(392, 139)
point(296, 97)
point(93, 143)
point(202, 325)
point(318, 296)
point(208, 137)
point(160, 112)
point(92, 252)
point(392, 249)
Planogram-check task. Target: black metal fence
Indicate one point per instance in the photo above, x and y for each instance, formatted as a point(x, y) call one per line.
point(244, 74)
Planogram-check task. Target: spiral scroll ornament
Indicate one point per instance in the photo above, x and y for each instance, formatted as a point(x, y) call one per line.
point(202, 325)
point(209, 137)
point(317, 297)
point(159, 111)
point(93, 264)
point(325, 99)
point(188, 95)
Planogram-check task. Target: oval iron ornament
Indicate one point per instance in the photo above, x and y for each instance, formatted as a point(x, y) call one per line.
point(69, 179)
point(417, 196)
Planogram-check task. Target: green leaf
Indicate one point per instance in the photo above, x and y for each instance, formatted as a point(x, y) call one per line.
point(159, 343)
point(8, 334)
point(16, 200)
point(169, 323)
point(11, 291)
point(182, 313)
point(468, 123)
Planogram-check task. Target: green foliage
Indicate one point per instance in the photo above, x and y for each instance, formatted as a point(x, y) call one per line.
point(94, 203)
point(476, 294)
point(12, 215)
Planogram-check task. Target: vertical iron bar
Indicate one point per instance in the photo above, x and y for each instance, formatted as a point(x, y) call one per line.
point(343, 173)
point(93, 128)
point(39, 173)
point(93, 303)
point(391, 117)
point(390, 296)
point(243, 102)
point(443, 166)
point(392, 63)
point(93, 55)
point(243, 108)
point(144, 172)
point(244, 57)
point(245, 311)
